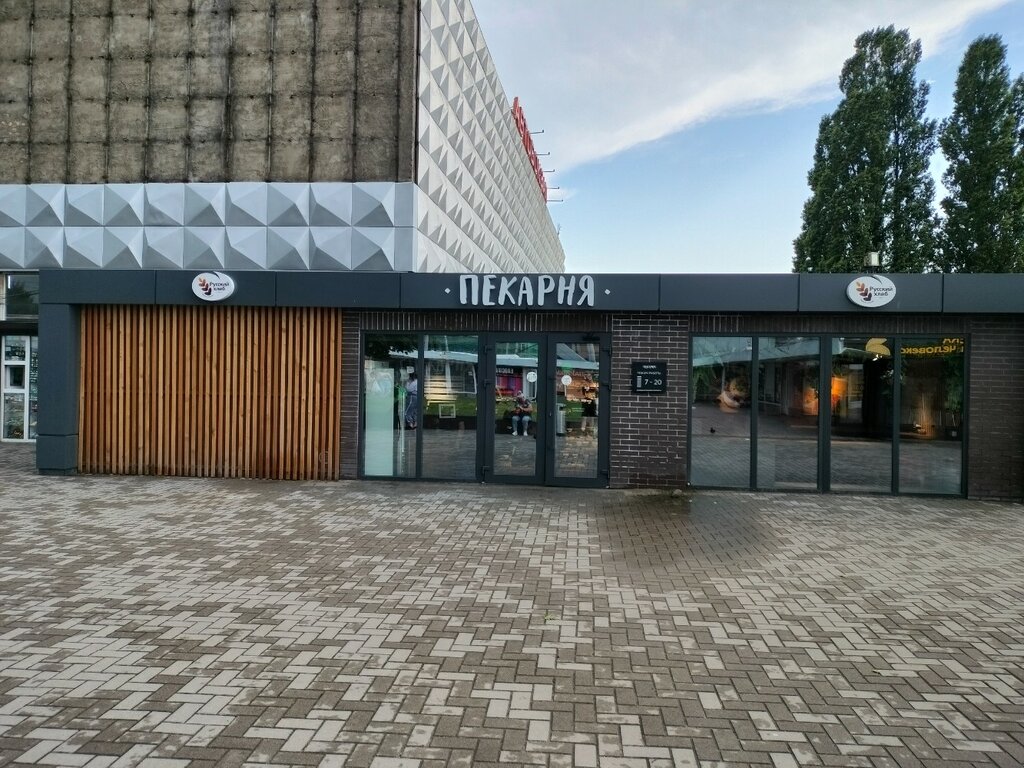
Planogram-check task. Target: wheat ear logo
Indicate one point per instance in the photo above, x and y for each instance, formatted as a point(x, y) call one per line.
point(871, 291)
point(212, 286)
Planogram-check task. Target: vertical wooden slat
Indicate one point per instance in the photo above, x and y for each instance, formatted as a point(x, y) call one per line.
point(210, 391)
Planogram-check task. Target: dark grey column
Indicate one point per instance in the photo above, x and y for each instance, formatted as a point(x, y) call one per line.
point(57, 442)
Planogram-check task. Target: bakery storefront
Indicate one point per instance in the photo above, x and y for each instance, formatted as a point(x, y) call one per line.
point(905, 384)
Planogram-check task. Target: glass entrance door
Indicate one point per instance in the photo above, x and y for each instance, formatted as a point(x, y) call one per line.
point(546, 421)
point(519, 404)
point(576, 394)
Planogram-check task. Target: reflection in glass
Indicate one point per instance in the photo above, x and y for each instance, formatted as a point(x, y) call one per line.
point(14, 417)
point(516, 453)
point(720, 413)
point(22, 296)
point(931, 414)
point(15, 378)
point(576, 409)
point(389, 444)
point(862, 378)
point(449, 417)
point(14, 348)
point(33, 388)
point(787, 412)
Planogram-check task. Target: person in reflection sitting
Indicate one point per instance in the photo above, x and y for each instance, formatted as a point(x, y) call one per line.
point(521, 410)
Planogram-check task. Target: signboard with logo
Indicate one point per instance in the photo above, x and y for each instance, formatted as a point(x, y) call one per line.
point(871, 291)
point(650, 376)
point(212, 286)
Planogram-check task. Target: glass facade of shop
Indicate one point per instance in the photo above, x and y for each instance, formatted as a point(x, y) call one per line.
point(892, 421)
point(505, 407)
point(19, 358)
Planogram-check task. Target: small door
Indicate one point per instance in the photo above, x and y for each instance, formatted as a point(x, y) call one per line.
point(577, 432)
point(517, 411)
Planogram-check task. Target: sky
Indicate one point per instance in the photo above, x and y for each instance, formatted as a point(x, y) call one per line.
point(681, 132)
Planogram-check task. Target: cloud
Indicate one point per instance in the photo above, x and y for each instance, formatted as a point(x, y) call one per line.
point(603, 76)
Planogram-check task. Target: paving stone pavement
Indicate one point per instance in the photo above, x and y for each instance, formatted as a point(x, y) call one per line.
point(174, 622)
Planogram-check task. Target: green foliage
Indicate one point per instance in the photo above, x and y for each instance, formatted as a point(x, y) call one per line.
point(870, 185)
point(984, 226)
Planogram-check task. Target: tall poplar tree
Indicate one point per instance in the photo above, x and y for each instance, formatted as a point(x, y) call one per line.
point(870, 185)
point(984, 225)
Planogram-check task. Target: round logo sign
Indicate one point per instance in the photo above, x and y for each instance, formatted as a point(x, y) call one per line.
point(566, 380)
point(213, 286)
point(531, 376)
point(871, 291)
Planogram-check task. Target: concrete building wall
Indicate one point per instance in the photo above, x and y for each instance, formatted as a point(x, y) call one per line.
point(207, 90)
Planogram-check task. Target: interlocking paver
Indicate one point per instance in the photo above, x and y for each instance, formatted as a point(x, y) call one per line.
point(197, 623)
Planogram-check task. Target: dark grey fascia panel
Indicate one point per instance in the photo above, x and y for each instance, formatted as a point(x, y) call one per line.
point(348, 290)
point(97, 286)
point(729, 293)
point(980, 294)
point(58, 369)
point(252, 289)
point(531, 292)
point(914, 293)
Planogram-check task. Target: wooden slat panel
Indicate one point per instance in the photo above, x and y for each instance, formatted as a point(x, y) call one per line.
point(210, 391)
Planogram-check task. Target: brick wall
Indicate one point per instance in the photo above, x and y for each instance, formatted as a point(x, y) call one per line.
point(995, 429)
point(648, 431)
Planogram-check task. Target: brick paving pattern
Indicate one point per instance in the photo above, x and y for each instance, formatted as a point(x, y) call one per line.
point(169, 622)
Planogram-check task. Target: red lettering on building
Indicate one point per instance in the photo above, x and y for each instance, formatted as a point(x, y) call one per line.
point(531, 153)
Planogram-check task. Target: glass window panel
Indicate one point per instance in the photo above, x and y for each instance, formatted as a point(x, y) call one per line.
point(15, 377)
point(449, 418)
point(14, 348)
point(861, 447)
point(22, 296)
point(390, 405)
point(787, 412)
point(576, 406)
point(14, 417)
point(931, 414)
point(517, 406)
point(720, 411)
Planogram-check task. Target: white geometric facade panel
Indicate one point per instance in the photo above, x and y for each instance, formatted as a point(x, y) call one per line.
point(44, 205)
point(330, 248)
point(330, 205)
point(489, 211)
point(83, 247)
point(12, 205)
point(44, 247)
point(373, 249)
point(123, 205)
point(287, 205)
point(12, 247)
point(246, 204)
point(122, 247)
point(83, 205)
point(204, 205)
point(165, 205)
point(373, 205)
point(163, 247)
point(204, 248)
point(287, 248)
point(296, 242)
point(246, 248)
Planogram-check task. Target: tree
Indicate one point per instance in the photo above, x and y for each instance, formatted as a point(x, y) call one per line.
point(984, 226)
point(870, 185)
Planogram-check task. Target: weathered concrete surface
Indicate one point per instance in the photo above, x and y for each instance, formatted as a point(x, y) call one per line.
point(184, 623)
point(207, 90)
